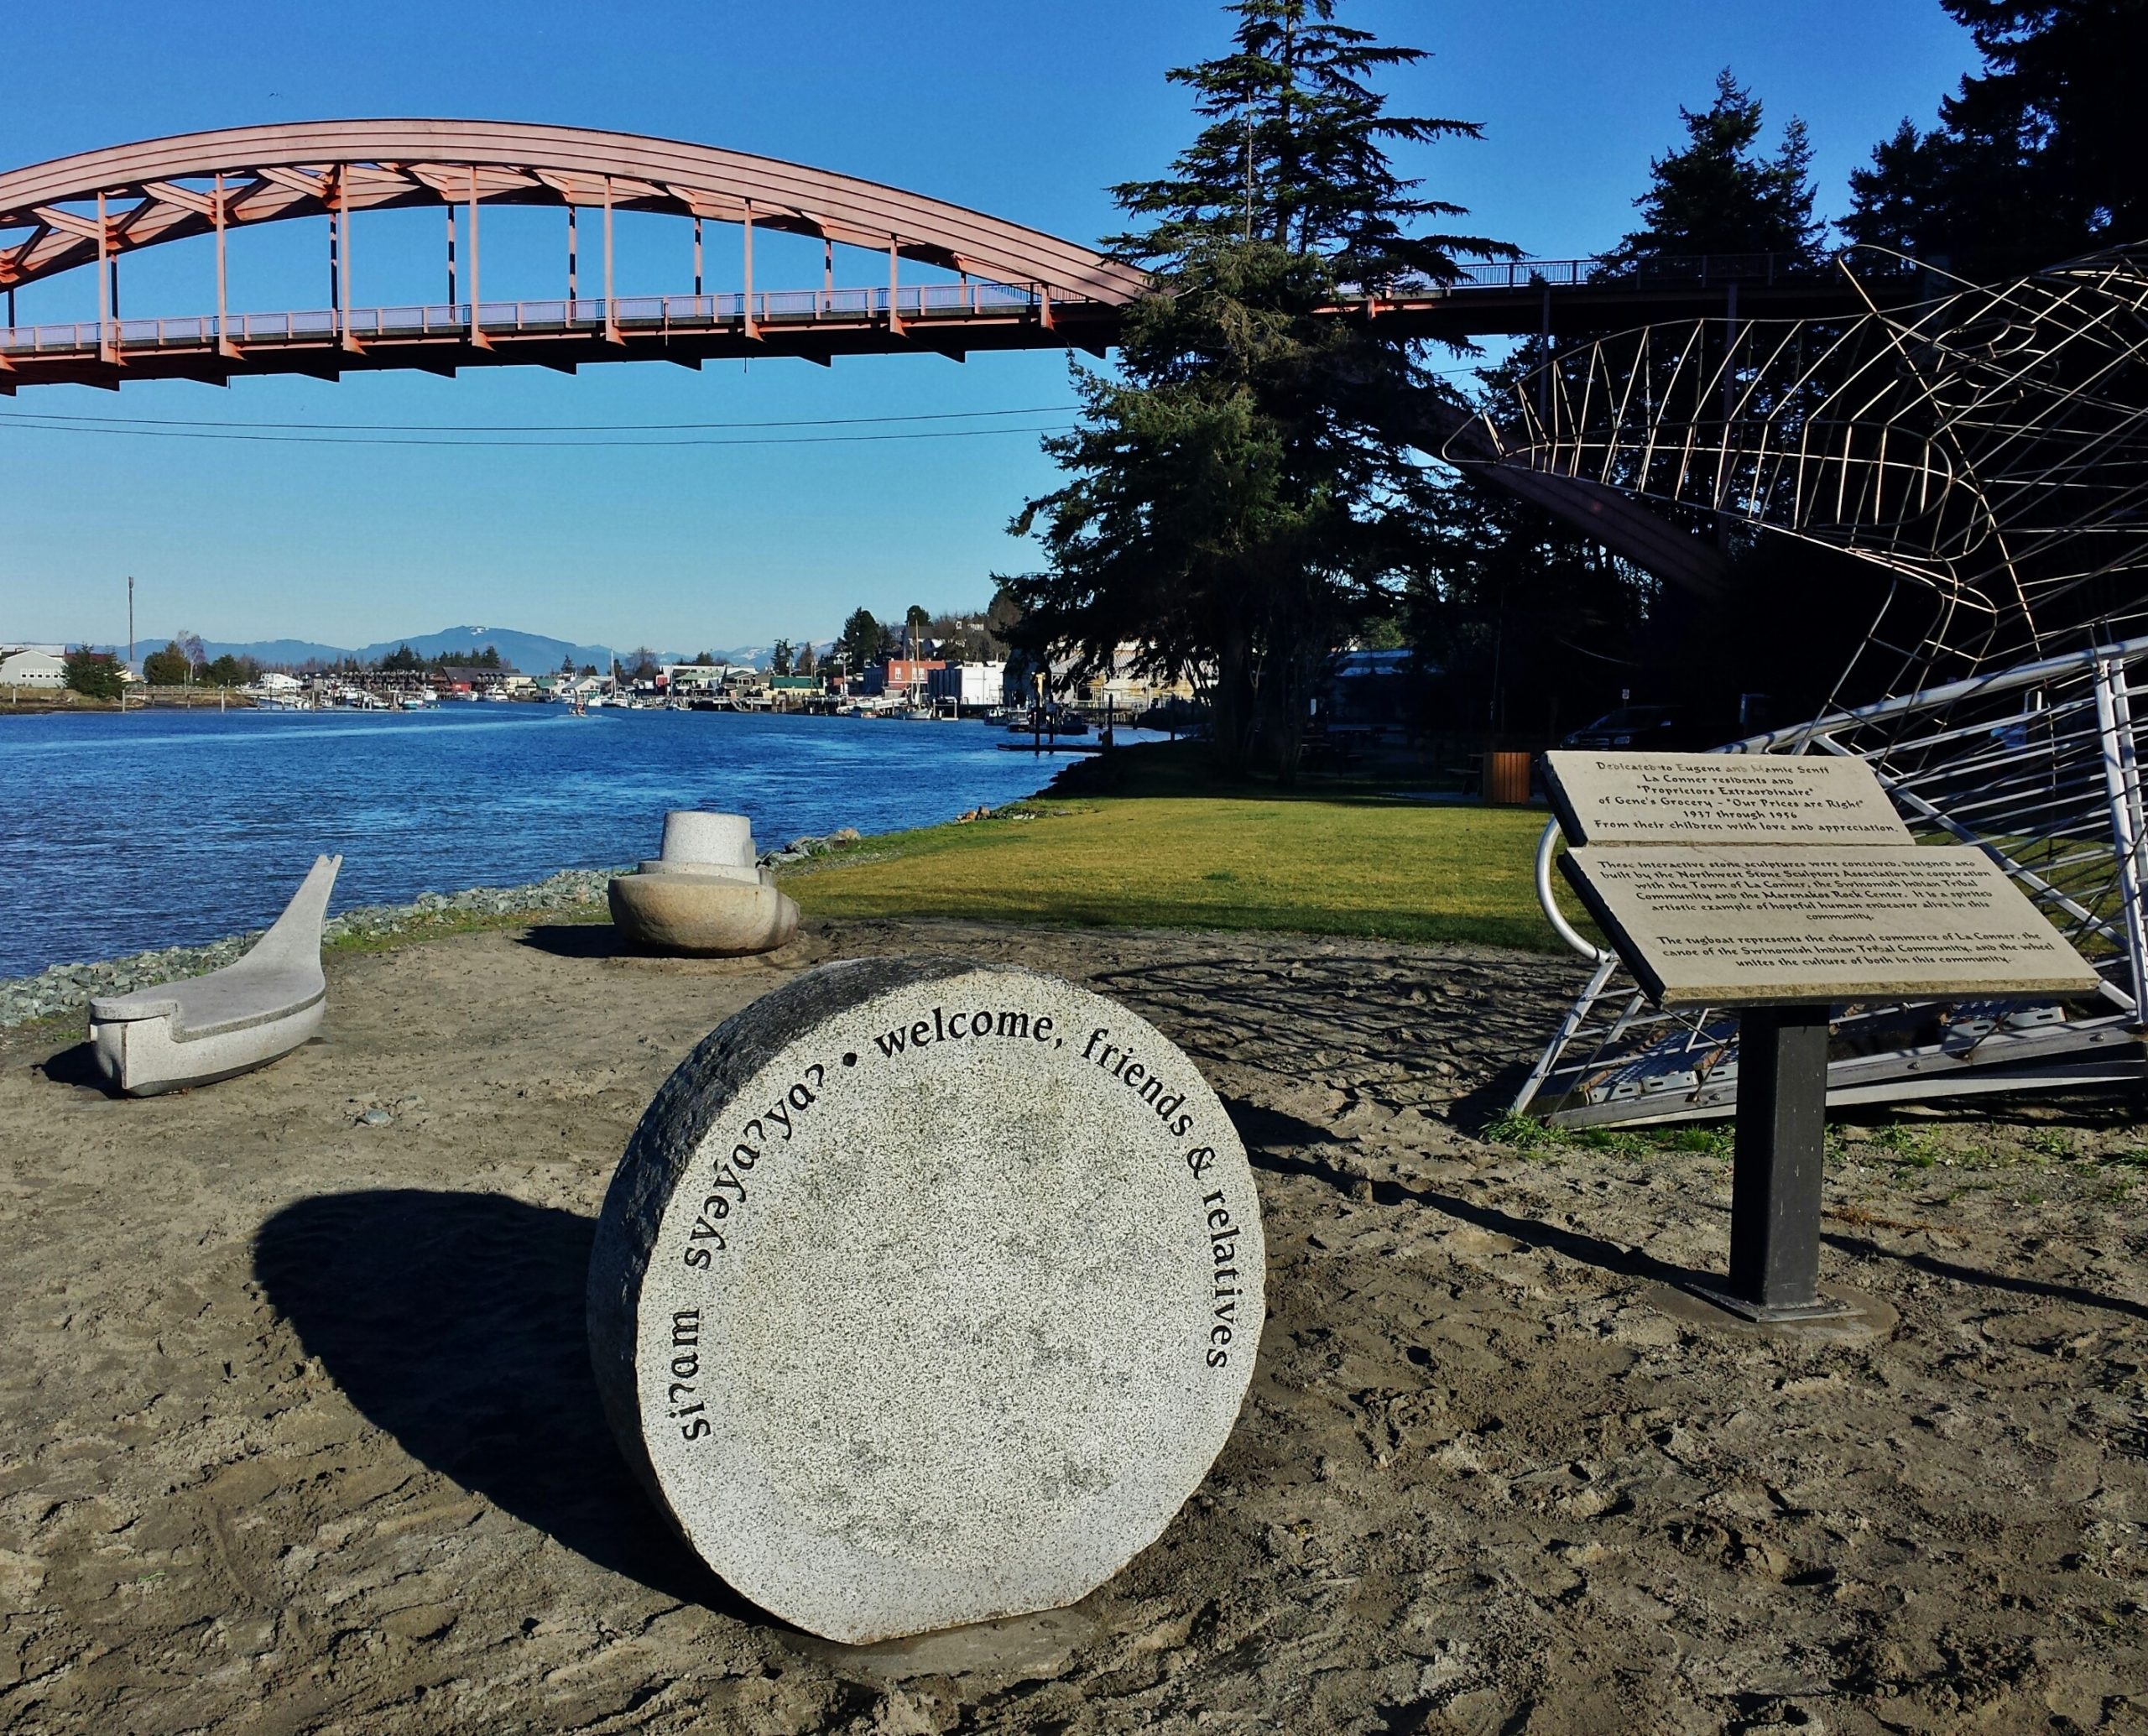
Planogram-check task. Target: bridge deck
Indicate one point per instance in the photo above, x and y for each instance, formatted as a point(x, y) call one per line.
point(1521, 300)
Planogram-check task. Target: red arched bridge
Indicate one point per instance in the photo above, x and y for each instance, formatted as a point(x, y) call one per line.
point(1014, 288)
point(1003, 286)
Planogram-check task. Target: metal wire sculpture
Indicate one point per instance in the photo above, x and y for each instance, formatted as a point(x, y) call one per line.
point(1986, 451)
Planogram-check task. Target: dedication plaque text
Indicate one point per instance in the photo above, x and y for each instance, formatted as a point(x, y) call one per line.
point(1719, 798)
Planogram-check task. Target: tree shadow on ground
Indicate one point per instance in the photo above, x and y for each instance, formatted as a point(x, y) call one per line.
point(1606, 1255)
point(1263, 1130)
point(455, 1322)
point(1976, 1278)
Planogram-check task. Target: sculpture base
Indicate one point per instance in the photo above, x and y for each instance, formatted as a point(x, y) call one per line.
point(699, 915)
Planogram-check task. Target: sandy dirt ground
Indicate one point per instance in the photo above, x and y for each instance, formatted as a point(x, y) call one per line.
point(297, 1431)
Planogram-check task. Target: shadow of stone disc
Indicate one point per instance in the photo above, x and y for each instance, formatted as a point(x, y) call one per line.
point(455, 1323)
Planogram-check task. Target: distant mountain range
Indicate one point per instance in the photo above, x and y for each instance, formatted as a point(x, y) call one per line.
point(532, 653)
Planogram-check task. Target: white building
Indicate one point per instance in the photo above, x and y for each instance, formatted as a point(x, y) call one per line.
point(33, 669)
point(275, 682)
point(979, 685)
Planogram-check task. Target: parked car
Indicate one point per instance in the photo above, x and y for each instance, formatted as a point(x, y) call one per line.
point(1639, 728)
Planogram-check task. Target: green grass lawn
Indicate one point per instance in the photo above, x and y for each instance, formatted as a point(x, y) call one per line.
point(1152, 852)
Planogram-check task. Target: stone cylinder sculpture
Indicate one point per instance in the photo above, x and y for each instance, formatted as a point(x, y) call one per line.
point(927, 1292)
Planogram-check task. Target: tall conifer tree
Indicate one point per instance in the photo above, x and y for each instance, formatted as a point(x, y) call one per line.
point(1233, 498)
point(2036, 159)
point(1718, 196)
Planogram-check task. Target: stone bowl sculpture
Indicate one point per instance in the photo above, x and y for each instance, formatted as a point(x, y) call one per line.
point(703, 896)
point(230, 1021)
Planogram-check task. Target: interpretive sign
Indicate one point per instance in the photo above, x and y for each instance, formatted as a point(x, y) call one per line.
point(925, 1293)
point(1780, 886)
point(1757, 880)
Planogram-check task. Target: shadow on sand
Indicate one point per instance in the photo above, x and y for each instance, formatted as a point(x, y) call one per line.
point(576, 939)
point(1265, 1130)
point(454, 1321)
point(76, 1065)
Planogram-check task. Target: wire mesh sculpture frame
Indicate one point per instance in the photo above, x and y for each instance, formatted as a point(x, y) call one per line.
point(1987, 453)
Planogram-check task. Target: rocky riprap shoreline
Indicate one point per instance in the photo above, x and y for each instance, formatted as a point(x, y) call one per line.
point(804, 849)
point(65, 988)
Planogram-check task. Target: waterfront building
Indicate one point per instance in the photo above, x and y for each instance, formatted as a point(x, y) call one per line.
point(32, 668)
point(973, 686)
point(460, 678)
point(1125, 691)
point(687, 678)
point(893, 675)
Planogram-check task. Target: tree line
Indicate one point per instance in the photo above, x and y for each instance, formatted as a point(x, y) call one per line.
point(985, 635)
point(1241, 495)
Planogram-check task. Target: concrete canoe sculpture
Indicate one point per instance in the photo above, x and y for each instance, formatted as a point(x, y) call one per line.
point(230, 1021)
point(925, 1293)
point(703, 895)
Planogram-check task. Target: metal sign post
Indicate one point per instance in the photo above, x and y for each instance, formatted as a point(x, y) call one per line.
point(1776, 1170)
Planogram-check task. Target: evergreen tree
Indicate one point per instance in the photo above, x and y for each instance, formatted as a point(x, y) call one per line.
point(2036, 159)
point(806, 657)
point(861, 641)
point(780, 659)
point(915, 624)
point(168, 668)
point(1235, 501)
point(1716, 196)
point(1296, 155)
point(94, 674)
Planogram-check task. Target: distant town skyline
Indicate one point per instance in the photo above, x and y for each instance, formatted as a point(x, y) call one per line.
point(542, 649)
point(261, 531)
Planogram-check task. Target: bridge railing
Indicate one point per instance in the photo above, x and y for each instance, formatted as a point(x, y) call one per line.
point(640, 314)
point(972, 299)
point(1690, 271)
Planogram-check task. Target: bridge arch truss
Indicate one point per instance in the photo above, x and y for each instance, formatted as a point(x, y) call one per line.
point(94, 208)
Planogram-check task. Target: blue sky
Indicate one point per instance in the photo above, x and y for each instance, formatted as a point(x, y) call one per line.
point(1025, 111)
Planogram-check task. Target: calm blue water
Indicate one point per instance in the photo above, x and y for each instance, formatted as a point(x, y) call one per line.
point(166, 828)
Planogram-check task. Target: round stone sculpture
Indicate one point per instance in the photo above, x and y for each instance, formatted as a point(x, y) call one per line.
point(699, 915)
point(705, 895)
point(925, 1293)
